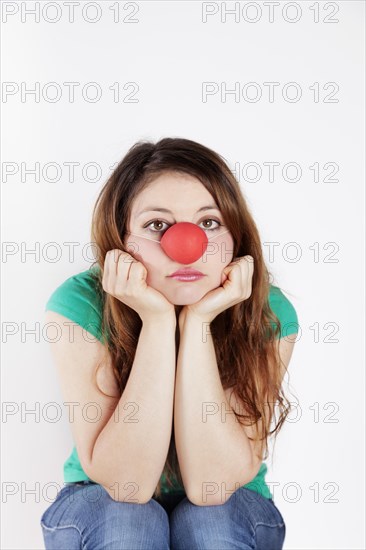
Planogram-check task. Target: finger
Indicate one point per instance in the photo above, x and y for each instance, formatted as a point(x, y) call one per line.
point(240, 274)
point(250, 263)
point(138, 271)
point(116, 256)
point(241, 259)
point(247, 272)
point(105, 270)
point(247, 263)
point(124, 265)
point(110, 266)
point(233, 273)
point(108, 273)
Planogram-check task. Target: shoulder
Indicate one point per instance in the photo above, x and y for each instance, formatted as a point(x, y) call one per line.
point(284, 310)
point(80, 299)
point(83, 287)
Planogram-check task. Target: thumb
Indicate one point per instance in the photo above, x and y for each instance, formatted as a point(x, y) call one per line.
point(223, 277)
point(226, 271)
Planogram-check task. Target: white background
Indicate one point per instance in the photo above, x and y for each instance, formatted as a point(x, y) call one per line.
point(169, 53)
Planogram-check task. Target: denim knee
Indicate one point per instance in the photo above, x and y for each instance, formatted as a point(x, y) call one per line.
point(246, 520)
point(88, 517)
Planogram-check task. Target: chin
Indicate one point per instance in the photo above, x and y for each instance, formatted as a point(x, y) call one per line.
point(186, 300)
point(186, 295)
point(184, 303)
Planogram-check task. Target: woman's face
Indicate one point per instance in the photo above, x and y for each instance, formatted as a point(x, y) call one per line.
point(184, 196)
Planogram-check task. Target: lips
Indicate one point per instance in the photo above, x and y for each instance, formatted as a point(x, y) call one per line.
point(186, 272)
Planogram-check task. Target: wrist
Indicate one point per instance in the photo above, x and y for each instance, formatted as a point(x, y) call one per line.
point(191, 318)
point(163, 319)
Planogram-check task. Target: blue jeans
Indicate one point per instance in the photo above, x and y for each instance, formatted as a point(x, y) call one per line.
point(84, 516)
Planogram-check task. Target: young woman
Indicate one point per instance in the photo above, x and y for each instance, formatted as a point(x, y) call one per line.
point(174, 378)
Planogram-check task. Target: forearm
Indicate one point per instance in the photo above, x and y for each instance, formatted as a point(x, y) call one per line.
point(130, 452)
point(212, 447)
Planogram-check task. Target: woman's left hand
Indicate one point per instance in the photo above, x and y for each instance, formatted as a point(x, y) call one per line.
point(236, 286)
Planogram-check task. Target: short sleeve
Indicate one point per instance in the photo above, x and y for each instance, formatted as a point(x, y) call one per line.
point(79, 298)
point(285, 311)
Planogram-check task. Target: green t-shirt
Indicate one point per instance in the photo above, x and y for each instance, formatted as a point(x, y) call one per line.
point(80, 299)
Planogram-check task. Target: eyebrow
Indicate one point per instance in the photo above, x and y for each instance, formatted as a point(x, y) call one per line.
point(156, 209)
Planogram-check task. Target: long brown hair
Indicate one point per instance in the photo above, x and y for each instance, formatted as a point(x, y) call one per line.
point(245, 335)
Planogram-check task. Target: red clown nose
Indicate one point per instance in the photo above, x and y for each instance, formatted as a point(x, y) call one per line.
point(184, 242)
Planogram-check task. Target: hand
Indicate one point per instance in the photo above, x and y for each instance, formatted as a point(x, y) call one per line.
point(236, 286)
point(125, 278)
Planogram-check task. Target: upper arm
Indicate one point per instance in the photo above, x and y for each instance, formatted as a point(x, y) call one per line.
point(284, 345)
point(80, 299)
point(285, 350)
point(76, 358)
point(284, 310)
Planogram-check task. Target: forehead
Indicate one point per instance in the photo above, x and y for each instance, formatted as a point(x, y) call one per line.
point(179, 193)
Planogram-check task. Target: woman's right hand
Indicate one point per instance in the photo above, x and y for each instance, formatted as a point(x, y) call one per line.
point(124, 277)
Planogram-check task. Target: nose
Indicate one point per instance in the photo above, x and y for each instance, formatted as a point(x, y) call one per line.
point(184, 242)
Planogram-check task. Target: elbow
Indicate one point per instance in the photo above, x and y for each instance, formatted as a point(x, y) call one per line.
point(127, 496)
point(207, 494)
point(196, 499)
point(120, 491)
point(215, 494)
point(249, 474)
point(255, 467)
point(201, 499)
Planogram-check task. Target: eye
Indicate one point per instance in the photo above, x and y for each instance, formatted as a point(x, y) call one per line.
point(160, 222)
point(211, 228)
point(155, 222)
